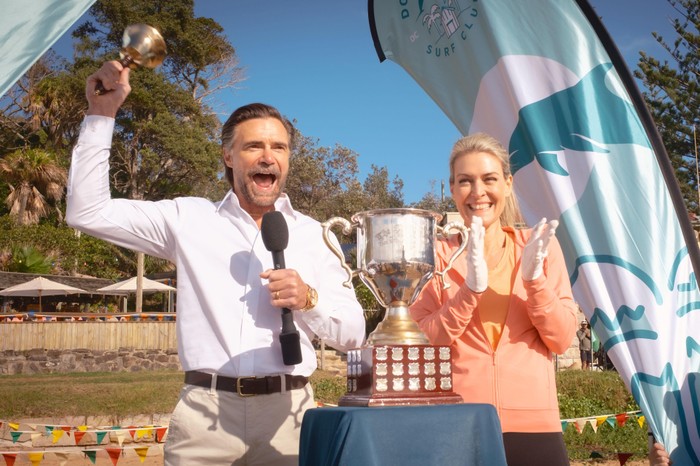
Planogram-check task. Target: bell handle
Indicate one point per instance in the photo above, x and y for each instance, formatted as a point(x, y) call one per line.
point(347, 229)
point(463, 231)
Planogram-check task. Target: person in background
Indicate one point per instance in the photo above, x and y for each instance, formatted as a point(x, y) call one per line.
point(240, 403)
point(509, 306)
point(584, 344)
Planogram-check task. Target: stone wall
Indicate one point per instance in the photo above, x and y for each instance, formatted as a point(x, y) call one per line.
point(38, 361)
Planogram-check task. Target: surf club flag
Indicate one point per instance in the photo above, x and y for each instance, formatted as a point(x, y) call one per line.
point(28, 29)
point(544, 77)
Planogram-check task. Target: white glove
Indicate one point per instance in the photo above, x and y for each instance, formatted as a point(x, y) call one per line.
point(477, 271)
point(536, 249)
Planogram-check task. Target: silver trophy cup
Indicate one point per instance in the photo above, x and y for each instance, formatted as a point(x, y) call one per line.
point(395, 259)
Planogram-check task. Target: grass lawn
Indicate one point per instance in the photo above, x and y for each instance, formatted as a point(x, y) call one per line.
point(125, 394)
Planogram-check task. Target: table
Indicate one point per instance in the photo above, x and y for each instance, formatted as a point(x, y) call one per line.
point(450, 434)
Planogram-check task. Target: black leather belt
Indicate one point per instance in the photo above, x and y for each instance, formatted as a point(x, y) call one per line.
point(247, 386)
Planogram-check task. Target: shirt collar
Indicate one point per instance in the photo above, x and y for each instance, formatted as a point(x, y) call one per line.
point(230, 205)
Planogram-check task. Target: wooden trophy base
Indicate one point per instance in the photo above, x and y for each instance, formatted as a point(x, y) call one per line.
point(392, 375)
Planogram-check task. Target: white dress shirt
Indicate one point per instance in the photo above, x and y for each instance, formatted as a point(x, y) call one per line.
point(225, 320)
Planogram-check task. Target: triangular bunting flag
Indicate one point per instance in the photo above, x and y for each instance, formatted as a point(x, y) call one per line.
point(62, 457)
point(78, 435)
point(13, 425)
point(593, 424)
point(142, 452)
point(114, 454)
point(623, 457)
point(66, 428)
point(49, 429)
point(600, 420)
point(132, 431)
point(641, 420)
point(35, 457)
point(160, 432)
point(91, 455)
point(120, 437)
point(57, 434)
point(16, 436)
point(82, 428)
point(100, 436)
point(140, 433)
point(621, 419)
point(9, 458)
point(35, 436)
point(564, 425)
point(610, 420)
point(580, 425)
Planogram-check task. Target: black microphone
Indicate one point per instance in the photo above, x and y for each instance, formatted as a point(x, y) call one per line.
point(275, 236)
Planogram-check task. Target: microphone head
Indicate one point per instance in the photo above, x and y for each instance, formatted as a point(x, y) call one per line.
point(274, 231)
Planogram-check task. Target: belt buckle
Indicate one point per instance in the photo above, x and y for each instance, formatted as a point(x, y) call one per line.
point(238, 386)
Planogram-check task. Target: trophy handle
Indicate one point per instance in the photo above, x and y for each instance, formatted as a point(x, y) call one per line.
point(347, 229)
point(463, 230)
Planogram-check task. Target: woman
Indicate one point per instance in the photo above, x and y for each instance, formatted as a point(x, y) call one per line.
point(509, 306)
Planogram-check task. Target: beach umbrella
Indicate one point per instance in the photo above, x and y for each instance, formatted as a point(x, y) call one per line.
point(129, 286)
point(39, 287)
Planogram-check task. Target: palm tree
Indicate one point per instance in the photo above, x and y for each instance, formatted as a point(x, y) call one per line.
point(36, 183)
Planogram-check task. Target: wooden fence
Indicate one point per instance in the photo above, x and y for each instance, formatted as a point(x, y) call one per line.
point(100, 336)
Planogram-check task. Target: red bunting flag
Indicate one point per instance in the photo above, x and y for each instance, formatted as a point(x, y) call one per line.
point(78, 435)
point(621, 419)
point(114, 454)
point(160, 433)
point(9, 458)
point(623, 457)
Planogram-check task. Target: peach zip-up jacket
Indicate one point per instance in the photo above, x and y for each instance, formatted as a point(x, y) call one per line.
point(518, 376)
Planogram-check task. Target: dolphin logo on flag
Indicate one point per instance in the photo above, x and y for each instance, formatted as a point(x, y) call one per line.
point(545, 79)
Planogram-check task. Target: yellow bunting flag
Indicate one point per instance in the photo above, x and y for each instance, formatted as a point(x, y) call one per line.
point(600, 420)
point(82, 428)
point(143, 432)
point(640, 420)
point(142, 452)
point(13, 425)
point(36, 457)
point(57, 434)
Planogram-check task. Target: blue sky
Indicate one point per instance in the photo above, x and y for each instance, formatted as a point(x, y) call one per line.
point(315, 61)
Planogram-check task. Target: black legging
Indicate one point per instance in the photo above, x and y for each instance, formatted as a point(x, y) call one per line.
point(535, 449)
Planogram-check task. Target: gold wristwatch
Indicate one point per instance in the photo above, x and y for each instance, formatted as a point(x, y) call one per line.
point(311, 299)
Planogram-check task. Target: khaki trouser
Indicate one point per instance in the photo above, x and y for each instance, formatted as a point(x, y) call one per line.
point(210, 427)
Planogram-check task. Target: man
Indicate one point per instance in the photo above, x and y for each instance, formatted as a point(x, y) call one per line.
point(584, 344)
point(240, 403)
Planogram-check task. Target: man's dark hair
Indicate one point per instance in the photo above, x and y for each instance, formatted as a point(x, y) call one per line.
point(245, 113)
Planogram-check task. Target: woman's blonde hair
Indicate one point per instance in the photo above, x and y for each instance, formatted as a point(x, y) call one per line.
point(481, 142)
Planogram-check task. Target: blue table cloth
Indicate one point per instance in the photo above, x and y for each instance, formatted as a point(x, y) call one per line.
point(425, 435)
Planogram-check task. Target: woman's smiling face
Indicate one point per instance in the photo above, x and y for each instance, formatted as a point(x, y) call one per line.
point(480, 187)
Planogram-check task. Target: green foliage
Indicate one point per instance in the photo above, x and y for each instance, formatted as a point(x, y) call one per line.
point(672, 85)
point(591, 393)
point(72, 253)
point(27, 259)
point(328, 388)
